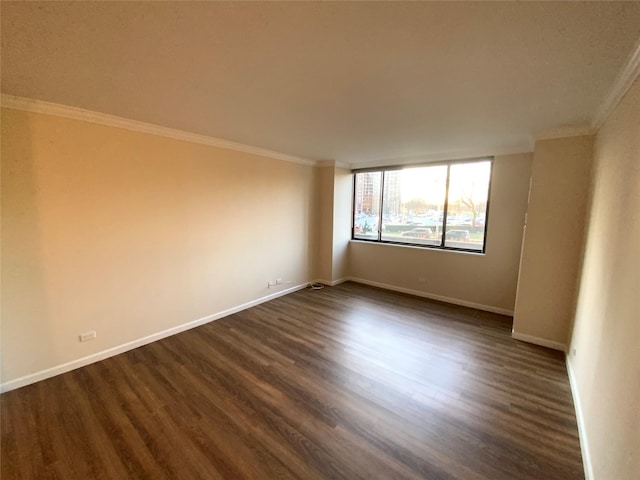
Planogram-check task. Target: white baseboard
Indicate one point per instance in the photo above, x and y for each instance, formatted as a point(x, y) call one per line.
point(431, 296)
point(110, 352)
point(543, 342)
point(331, 283)
point(582, 431)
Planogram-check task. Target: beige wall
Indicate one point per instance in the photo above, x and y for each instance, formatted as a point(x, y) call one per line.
point(553, 240)
point(334, 224)
point(487, 281)
point(605, 347)
point(325, 181)
point(130, 234)
point(342, 199)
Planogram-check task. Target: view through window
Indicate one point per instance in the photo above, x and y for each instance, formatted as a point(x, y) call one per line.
point(438, 206)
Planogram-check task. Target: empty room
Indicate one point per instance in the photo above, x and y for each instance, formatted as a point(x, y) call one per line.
point(320, 240)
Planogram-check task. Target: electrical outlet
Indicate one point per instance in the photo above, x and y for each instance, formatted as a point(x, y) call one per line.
point(270, 284)
point(278, 281)
point(86, 336)
point(573, 351)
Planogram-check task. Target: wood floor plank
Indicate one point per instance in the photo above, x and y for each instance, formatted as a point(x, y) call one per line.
point(346, 382)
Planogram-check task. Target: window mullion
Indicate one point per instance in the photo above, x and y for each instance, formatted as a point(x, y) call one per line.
point(384, 174)
point(446, 207)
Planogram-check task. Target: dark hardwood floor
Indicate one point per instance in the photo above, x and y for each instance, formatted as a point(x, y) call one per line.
point(346, 382)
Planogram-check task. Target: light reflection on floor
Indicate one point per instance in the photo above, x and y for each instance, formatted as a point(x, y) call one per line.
point(402, 357)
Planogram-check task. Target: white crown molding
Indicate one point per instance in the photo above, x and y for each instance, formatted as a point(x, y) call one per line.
point(48, 108)
point(563, 132)
point(332, 163)
point(525, 147)
point(620, 87)
point(325, 163)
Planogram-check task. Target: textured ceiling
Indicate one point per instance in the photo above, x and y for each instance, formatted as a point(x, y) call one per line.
point(352, 82)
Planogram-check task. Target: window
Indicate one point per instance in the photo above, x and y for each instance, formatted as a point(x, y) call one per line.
point(442, 205)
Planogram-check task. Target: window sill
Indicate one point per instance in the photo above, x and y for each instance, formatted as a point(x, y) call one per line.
point(416, 247)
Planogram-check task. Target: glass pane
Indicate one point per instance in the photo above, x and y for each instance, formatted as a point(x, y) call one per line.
point(467, 209)
point(414, 205)
point(367, 205)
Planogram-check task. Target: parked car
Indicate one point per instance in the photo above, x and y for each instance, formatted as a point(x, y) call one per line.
point(418, 233)
point(464, 219)
point(461, 235)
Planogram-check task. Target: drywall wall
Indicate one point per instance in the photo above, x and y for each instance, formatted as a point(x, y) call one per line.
point(486, 281)
point(604, 358)
point(324, 207)
point(342, 199)
point(334, 227)
point(553, 241)
point(131, 234)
